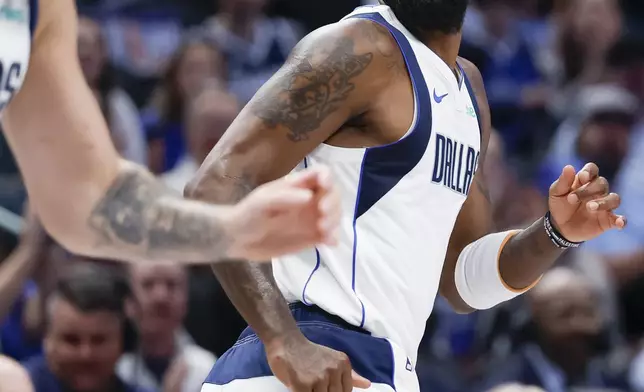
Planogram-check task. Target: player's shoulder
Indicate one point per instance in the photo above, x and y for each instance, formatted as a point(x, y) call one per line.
point(355, 36)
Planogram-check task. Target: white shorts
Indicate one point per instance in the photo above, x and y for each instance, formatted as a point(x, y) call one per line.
point(244, 367)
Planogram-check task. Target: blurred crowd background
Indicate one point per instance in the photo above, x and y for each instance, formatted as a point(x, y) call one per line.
point(565, 80)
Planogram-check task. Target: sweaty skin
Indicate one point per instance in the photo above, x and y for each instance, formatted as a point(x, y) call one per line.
point(97, 204)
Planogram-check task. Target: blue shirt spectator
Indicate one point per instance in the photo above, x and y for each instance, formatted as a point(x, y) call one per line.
point(13, 338)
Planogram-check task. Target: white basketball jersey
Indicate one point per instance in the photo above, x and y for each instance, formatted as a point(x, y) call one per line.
point(400, 202)
point(17, 23)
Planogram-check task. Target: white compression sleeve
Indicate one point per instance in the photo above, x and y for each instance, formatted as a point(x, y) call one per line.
point(477, 275)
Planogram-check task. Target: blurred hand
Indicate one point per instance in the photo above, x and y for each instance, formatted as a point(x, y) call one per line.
point(303, 366)
point(581, 206)
point(175, 375)
point(33, 235)
point(299, 211)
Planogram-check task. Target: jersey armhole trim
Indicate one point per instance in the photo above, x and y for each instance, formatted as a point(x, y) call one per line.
point(475, 103)
point(33, 17)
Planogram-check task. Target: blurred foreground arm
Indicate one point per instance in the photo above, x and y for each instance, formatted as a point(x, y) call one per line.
point(14, 377)
point(98, 205)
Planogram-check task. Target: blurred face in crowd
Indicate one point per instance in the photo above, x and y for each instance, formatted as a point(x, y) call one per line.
point(566, 315)
point(243, 8)
point(91, 51)
point(604, 140)
point(198, 63)
point(211, 114)
point(596, 22)
point(499, 16)
point(82, 348)
point(160, 292)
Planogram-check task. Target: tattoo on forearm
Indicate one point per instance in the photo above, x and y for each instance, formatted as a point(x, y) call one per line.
point(308, 93)
point(136, 211)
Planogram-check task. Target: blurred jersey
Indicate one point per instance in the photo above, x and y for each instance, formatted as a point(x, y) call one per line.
point(400, 203)
point(17, 23)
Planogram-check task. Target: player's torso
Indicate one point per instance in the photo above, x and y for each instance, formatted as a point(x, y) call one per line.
point(400, 203)
point(17, 21)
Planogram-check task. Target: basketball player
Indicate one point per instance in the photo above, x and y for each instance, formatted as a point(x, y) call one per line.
point(382, 98)
point(95, 203)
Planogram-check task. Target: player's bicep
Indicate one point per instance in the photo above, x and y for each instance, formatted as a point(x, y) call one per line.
point(54, 123)
point(326, 81)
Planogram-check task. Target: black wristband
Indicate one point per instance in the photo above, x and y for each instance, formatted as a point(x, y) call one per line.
point(555, 236)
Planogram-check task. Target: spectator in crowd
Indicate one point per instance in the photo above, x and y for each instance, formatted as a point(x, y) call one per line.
point(20, 309)
point(255, 46)
point(564, 339)
point(84, 332)
point(208, 116)
point(166, 357)
point(14, 377)
point(118, 108)
point(513, 83)
point(588, 30)
point(196, 62)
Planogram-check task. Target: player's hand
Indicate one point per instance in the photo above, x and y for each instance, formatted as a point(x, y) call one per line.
point(582, 206)
point(299, 211)
point(303, 366)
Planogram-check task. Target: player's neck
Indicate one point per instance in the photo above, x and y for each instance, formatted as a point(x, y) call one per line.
point(446, 46)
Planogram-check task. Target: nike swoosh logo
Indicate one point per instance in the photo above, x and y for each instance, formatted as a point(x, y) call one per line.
point(439, 99)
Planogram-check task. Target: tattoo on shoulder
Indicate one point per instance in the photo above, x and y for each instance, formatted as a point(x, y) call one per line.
point(384, 43)
point(136, 211)
point(308, 93)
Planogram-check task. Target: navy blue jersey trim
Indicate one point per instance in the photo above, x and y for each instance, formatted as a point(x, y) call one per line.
point(383, 167)
point(33, 16)
point(470, 91)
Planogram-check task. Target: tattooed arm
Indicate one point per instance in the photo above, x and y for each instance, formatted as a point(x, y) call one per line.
point(331, 77)
point(526, 256)
point(90, 200)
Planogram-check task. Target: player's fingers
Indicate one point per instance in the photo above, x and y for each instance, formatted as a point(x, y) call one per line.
point(335, 382)
point(347, 381)
point(359, 381)
point(325, 179)
point(318, 179)
point(618, 222)
point(596, 188)
point(330, 214)
point(588, 173)
point(563, 184)
point(607, 203)
point(321, 386)
point(309, 178)
point(281, 199)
